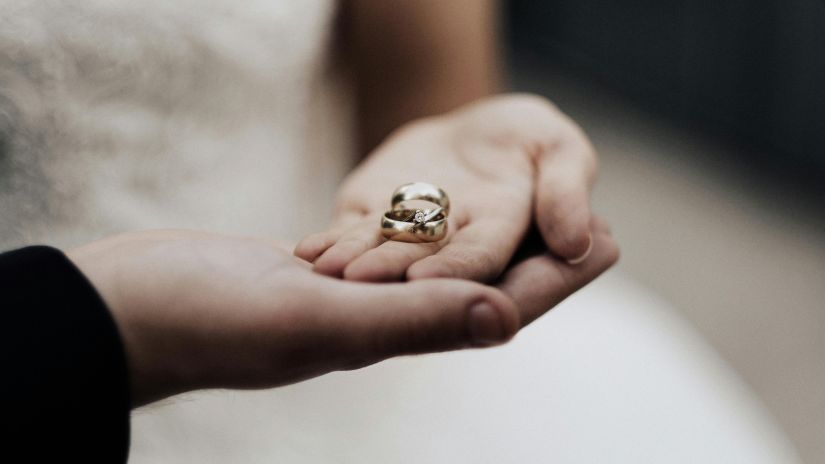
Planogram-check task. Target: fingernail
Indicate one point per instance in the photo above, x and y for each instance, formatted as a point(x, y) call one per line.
point(485, 325)
point(586, 253)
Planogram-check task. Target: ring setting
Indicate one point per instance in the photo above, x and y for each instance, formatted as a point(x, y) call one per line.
point(416, 225)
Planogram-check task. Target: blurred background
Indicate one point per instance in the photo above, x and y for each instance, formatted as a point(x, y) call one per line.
point(710, 121)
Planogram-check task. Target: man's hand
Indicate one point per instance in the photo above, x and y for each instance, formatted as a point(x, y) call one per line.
point(197, 310)
point(505, 162)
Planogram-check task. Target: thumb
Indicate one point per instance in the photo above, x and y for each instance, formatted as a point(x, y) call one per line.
point(427, 315)
point(566, 172)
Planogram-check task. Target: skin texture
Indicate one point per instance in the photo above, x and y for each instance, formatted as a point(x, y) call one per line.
point(198, 310)
point(505, 161)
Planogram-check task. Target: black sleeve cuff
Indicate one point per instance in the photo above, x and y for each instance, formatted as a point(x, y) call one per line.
point(65, 378)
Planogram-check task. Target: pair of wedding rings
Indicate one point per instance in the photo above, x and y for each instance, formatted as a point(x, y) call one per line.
point(404, 223)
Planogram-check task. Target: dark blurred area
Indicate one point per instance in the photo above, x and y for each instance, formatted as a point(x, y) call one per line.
point(709, 119)
point(752, 71)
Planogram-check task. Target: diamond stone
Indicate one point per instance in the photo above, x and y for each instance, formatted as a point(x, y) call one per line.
point(419, 217)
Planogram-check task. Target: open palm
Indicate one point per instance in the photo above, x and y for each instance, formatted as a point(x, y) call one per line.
point(199, 310)
point(504, 162)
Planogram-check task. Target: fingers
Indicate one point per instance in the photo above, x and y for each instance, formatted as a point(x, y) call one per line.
point(541, 282)
point(479, 251)
point(566, 172)
point(387, 320)
point(389, 261)
point(352, 243)
point(314, 245)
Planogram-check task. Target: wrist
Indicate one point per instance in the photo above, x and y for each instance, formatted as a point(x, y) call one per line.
point(151, 372)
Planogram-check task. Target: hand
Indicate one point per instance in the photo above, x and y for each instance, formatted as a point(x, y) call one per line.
point(504, 162)
point(197, 310)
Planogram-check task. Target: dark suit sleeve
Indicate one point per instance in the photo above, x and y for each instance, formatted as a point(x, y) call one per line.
point(65, 385)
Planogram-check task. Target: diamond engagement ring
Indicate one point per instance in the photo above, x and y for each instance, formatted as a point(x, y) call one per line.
point(416, 225)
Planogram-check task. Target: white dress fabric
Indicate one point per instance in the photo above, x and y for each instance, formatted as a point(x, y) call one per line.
point(119, 115)
point(226, 116)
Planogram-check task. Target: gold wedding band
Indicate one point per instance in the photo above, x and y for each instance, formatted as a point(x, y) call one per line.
point(421, 191)
point(416, 225)
point(395, 225)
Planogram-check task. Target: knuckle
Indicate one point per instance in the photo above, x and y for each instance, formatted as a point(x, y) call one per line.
point(452, 264)
point(409, 254)
point(414, 334)
point(400, 258)
point(478, 262)
point(564, 207)
point(417, 336)
point(355, 241)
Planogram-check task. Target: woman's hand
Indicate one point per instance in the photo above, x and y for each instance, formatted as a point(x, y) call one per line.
point(505, 161)
point(197, 310)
